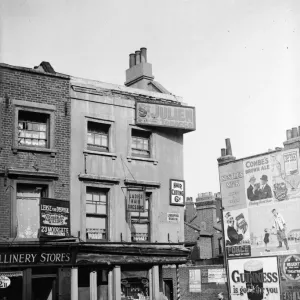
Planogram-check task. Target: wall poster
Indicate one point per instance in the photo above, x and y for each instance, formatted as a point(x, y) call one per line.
point(195, 281)
point(254, 278)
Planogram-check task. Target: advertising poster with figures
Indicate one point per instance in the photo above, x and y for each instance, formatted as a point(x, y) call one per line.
point(286, 175)
point(275, 229)
point(232, 185)
point(290, 276)
point(236, 231)
point(258, 180)
point(254, 279)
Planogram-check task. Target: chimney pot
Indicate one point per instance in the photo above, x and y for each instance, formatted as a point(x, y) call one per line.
point(223, 152)
point(131, 60)
point(288, 134)
point(143, 55)
point(228, 147)
point(137, 57)
point(294, 132)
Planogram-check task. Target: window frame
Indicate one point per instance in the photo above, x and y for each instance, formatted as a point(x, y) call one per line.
point(149, 197)
point(140, 134)
point(14, 222)
point(39, 108)
point(106, 216)
point(94, 147)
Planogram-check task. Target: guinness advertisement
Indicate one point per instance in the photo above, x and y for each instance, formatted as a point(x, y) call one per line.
point(54, 218)
point(254, 279)
point(290, 277)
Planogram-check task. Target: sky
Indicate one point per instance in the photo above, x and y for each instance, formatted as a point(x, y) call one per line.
point(236, 61)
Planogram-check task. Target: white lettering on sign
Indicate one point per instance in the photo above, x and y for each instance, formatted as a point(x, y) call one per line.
point(4, 282)
point(136, 200)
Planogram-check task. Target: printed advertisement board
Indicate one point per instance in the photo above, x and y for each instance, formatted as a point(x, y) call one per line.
point(195, 281)
point(216, 275)
point(254, 278)
point(162, 115)
point(173, 217)
point(177, 192)
point(54, 218)
point(290, 276)
point(236, 232)
point(232, 185)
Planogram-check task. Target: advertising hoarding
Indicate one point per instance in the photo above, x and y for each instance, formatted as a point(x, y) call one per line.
point(195, 281)
point(254, 278)
point(164, 115)
point(216, 275)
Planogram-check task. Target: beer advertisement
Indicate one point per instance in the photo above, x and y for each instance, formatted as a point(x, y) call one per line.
point(254, 278)
point(285, 175)
point(236, 232)
point(258, 180)
point(232, 185)
point(290, 276)
point(275, 229)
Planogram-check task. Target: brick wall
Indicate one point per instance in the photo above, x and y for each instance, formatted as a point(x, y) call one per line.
point(209, 291)
point(35, 87)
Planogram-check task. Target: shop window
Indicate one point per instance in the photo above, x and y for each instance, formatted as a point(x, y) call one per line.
point(98, 136)
point(33, 129)
point(96, 213)
point(28, 209)
point(140, 143)
point(140, 223)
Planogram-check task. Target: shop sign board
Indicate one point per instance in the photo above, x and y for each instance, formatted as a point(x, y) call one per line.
point(136, 201)
point(139, 237)
point(194, 281)
point(173, 217)
point(12, 274)
point(164, 115)
point(254, 278)
point(177, 192)
point(216, 275)
point(54, 218)
point(4, 282)
point(95, 233)
point(35, 258)
point(261, 200)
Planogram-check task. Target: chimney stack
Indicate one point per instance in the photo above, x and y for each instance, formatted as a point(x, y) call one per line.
point(226, 154)
point(292, 138)
point(139, 73)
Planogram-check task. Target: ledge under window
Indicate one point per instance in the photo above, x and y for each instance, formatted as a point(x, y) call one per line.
point(148, 159)
point(40, 173)
point(142, 182)
point(91, 177)
point(100, 153)
point(52, 152)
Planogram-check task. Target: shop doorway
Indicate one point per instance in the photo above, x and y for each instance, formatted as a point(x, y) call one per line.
point(14, 290)
point(168, 288)
point(44, 288)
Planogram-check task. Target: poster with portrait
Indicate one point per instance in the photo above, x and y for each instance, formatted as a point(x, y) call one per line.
point(275, 229)
point(237, 234)
point(258, 180)
point(254, 278)
point(285, 175)
point(289, 269)
point(232, 185)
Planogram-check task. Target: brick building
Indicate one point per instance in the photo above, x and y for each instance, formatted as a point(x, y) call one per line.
point(34, 164)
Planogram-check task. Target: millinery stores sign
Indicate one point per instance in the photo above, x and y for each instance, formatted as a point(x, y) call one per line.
point(177, 192)
point(163, 115)
point(136, 200)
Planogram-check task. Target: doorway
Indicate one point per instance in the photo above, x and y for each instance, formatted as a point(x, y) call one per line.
point(168, 288)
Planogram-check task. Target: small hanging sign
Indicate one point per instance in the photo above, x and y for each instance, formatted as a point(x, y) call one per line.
point(177, 192)
point(135, 200)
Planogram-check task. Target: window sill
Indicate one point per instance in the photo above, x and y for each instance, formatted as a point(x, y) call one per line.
point(101, 153)
point(52, 152)
point(148, 159)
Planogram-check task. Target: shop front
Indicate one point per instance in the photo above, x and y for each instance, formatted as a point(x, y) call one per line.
point(35, 272)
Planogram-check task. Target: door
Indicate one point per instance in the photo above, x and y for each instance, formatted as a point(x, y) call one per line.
point(168, 288)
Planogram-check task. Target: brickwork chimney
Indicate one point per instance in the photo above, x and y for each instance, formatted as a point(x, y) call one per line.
point(190, 209)
point(226, 154)
point(292, 138)
point(139, 73)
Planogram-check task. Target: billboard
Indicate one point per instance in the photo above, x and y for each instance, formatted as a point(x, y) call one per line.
point(164, 115)
point(254, 278)
point(264, 193)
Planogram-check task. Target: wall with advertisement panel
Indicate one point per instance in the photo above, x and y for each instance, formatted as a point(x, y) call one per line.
point(261, 200)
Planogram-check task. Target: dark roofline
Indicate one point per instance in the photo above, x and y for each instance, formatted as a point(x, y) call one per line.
point(34, 71)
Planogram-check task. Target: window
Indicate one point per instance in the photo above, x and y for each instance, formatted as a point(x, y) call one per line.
point(97, 137)
point(33, 129)
point(140, 223)
point(96, 213)
point(28, 209)
point(140, 143)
